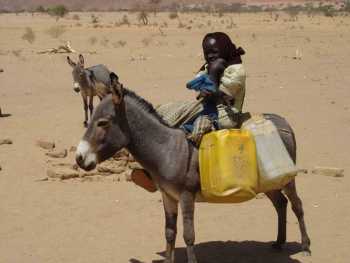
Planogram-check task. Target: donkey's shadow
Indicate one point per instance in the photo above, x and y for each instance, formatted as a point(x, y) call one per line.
point(236, 252)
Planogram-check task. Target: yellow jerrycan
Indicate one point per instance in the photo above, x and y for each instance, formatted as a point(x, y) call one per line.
point(228, 166)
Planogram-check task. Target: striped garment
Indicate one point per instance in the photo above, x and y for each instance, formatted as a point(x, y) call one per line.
point(232, 83)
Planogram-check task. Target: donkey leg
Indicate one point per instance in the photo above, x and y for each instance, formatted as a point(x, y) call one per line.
point(187, 200)
point(297, 207)
point(279, 201)
point(170, 209)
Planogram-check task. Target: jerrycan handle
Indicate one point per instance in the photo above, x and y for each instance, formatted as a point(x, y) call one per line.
point(258, 118)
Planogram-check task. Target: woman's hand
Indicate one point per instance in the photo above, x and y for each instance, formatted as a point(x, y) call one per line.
point(204, 94)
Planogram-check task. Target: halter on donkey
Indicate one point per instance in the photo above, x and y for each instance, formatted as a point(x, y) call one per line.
point(126, 120)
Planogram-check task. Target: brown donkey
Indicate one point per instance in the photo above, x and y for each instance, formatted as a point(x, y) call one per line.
point(92, 81)
point(126, 120)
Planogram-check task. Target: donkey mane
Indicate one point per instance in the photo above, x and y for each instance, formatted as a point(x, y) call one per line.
point(145, 105)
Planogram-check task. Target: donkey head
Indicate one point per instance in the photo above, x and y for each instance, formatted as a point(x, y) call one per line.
point(80, 76)
point(107, 132)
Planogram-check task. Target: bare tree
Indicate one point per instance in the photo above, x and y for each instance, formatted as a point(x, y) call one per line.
point(143, 17)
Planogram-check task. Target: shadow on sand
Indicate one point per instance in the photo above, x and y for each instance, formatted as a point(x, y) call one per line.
point(236, 252)
point(4, 115)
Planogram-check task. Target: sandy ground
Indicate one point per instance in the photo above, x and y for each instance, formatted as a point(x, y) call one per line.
point(104, 220)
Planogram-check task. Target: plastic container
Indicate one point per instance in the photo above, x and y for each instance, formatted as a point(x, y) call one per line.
point(276, 168)
point(228, 166)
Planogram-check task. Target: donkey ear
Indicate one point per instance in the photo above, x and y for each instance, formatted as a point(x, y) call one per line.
point(81, 60)
point(70, 62)
point(116, 89)
point(114, 78)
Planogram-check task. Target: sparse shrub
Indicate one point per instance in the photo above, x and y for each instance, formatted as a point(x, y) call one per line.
point(56, 31)
point(94, 19)
point(346, 6)
point(173, 15)
point(155, 2)
point(234, 7)
point(310, 9)
point(253, 9)
point(328, 10)
point(104, 42)
point(181, 25)
point(58, 11)
point(143, 17)
point(40, 9)
point(17, 53)
point(293, 11)
point(155, 5)
point(120, 43)
point(232, 24)
point(29, 35)
point(253, 36)
point(125, 20)
point(146, 41)
point(161, 43)
point(161, 32)
point(76, 17)
point(92, 40)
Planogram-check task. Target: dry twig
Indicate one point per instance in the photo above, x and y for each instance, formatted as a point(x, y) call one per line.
point(61, 49)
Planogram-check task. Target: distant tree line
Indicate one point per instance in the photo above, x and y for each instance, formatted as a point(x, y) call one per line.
point(56, 10)
point(310, 8)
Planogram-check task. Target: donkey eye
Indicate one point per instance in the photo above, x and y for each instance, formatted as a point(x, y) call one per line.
point(102, 123)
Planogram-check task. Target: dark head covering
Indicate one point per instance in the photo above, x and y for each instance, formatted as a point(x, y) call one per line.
point(228, 50)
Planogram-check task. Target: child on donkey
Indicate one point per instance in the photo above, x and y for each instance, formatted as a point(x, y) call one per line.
point(220, 83)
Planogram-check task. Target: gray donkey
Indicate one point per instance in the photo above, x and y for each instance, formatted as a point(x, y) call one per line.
point(126, 120)
point(92, 81)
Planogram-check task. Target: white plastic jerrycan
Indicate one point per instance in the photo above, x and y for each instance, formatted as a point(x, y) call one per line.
point(275, 166)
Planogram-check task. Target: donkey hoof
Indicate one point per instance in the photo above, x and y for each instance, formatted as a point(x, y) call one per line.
point(306, 253)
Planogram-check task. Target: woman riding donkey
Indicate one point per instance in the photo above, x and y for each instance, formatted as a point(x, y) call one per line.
point(220, 82)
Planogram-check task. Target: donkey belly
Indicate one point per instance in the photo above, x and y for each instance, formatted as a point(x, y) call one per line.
point(101, 89)
point(87, 92)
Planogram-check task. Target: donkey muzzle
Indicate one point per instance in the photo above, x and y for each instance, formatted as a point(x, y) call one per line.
point(84, 157)
point(76, 87)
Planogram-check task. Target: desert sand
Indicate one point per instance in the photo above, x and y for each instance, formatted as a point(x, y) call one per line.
point(298, 69)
